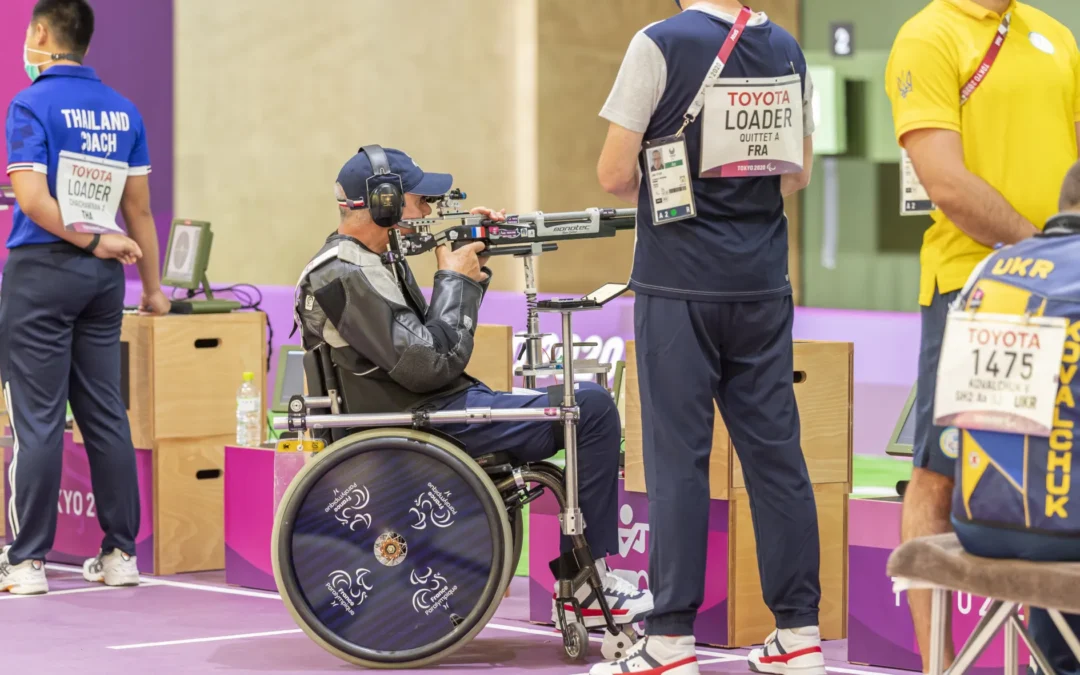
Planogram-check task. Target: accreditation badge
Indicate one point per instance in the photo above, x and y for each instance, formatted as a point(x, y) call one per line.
point(999, 372)
point(89, 190)
point(667, 173)
point(914, 200)
point(752, 127)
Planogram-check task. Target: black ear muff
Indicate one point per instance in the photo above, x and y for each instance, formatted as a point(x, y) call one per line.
point(385, 196)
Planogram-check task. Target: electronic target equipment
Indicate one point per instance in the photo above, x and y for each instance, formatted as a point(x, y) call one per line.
point(186, 259)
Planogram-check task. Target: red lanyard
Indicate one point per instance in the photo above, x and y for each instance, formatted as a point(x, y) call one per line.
point(718, 65)
point(734, 34)
point(988, 60)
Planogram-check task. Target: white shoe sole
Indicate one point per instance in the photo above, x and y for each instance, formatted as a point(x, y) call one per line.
point(685, 669)
point(594, 618)
point(27, 589)
point(113, 580)
point(815, 667)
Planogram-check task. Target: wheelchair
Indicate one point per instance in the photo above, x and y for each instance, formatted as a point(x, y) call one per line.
point(393, 547)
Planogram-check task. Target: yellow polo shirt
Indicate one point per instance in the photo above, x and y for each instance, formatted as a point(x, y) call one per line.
point(1018, 128)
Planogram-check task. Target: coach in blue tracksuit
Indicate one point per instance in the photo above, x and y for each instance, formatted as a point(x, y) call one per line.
point(722, 95)
point(77, 154)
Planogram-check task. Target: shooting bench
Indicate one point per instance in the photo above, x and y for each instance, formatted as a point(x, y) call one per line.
point(941, 564)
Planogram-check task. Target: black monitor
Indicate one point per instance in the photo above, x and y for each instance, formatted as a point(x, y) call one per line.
point(290, 377)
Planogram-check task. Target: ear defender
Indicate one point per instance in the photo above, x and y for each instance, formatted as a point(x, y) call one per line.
point(385, 196)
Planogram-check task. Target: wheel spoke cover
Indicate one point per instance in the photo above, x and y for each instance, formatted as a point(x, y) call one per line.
point(393, 549)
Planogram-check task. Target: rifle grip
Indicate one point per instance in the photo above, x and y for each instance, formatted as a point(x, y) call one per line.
point(465, 242)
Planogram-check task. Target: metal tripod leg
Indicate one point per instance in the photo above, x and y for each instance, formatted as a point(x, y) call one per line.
point(1036, 654)
point(1066, 632)
point(998, 613)
point(1012, 658)
point(938, 625)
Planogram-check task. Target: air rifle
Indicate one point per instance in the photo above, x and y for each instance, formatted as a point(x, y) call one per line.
point(519, 234)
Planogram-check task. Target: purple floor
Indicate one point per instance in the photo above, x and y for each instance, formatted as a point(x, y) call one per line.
point(197, 624)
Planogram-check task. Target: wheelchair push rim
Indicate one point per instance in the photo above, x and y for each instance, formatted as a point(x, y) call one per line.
point(398, 589)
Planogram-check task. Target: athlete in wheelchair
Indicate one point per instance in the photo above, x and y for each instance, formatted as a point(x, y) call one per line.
point(394, 547)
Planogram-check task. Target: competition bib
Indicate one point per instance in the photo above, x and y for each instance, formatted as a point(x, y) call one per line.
point(999, 372)
point(89, 191)
point(914, 200)
point(752, 127)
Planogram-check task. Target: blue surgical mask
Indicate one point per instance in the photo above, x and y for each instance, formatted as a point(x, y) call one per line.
point(33, 70)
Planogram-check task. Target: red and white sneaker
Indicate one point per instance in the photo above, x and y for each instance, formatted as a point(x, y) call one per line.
point(654, 655)
point(628, 604)
point(790, 651)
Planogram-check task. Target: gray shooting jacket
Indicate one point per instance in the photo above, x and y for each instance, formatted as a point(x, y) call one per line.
point(393, 352)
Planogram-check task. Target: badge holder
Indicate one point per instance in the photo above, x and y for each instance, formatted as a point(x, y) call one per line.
point(914, 200)
point(667, 175)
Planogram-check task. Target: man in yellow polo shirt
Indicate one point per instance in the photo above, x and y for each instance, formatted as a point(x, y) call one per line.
point(985, 101)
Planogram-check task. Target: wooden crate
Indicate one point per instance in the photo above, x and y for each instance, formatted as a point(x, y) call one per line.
point(823, 391)
point(180, 377)
point(749, 620)
point(189, 504)
point(493, 356)
point(181, 373)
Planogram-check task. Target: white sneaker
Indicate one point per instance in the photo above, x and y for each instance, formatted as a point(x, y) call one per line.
point(115, 569)
point(654, 655)
point(790, 650)
point(26, 578)
point(628, 604)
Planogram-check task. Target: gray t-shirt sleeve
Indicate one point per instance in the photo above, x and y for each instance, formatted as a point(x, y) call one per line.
point(638, 87)
point(808, 106)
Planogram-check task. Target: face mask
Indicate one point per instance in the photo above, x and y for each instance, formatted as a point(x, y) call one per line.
point(33, 70)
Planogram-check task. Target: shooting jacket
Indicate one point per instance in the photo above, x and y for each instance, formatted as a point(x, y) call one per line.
point(392, 351)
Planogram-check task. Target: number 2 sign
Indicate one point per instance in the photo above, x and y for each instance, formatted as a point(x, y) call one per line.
point(842, 39)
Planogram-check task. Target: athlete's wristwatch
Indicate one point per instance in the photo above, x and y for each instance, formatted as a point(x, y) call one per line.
point(93, 244)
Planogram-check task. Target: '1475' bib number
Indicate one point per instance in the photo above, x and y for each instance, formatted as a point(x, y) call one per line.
point(999, 373)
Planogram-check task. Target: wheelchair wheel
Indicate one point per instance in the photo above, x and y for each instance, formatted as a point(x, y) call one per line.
point(392, 549)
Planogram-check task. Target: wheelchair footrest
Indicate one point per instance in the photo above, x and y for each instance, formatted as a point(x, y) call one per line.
point(498, 469)
point(520, 499)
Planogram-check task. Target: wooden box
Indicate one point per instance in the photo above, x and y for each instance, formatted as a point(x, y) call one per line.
point(181, 372)
point(823, 391)
point(189, 504)
point(493, 356)
point(749, 620)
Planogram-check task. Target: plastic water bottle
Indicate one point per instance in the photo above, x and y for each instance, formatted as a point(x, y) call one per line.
point(248, 406)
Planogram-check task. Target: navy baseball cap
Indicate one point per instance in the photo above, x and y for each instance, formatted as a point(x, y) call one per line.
point(354, 177)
